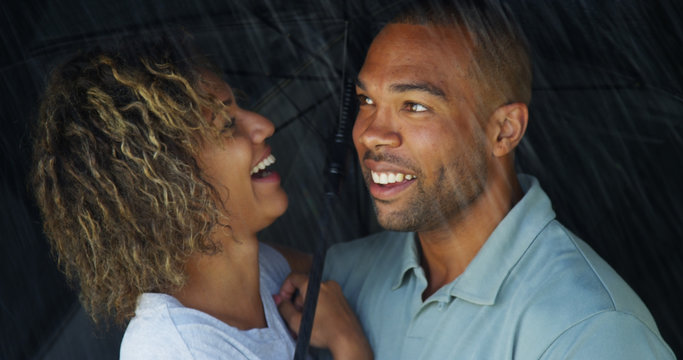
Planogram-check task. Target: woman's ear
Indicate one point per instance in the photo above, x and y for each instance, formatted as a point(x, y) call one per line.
point(508, 125)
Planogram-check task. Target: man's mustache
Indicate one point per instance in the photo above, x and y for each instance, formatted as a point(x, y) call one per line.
point(391, 159)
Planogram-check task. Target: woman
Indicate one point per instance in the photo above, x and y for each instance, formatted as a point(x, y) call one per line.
point(153, 184)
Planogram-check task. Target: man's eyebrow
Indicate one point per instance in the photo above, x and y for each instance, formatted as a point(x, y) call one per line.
point(419, 86)
point(415, 86)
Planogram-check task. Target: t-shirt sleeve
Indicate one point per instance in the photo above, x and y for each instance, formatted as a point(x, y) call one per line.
point(609, 335)
point(274, 268)
point(153, 342)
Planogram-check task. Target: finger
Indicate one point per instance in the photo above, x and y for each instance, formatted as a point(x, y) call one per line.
point(287, 290)
point(292, 284)
point(333, 286)
point(290, 314)
point(299, 281)
point(299, 300)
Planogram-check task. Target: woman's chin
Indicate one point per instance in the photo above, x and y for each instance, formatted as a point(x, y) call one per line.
point(279, 204)
point(279, 214)
point(275, 209)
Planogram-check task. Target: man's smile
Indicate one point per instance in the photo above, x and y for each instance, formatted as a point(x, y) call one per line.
point(385, 178)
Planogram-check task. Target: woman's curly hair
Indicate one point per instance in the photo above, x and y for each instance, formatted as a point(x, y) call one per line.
point(114, 171)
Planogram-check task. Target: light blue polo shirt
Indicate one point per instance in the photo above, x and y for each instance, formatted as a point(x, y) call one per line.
point(534, 291)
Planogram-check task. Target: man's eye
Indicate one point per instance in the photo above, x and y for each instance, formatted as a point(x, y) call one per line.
point(364, 100)
point(415, 107)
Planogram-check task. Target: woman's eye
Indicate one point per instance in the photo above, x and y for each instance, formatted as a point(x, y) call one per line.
point(364, 100)
point(229, 125)
point(415, 107)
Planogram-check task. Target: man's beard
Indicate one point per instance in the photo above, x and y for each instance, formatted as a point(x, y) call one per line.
point(457, 185)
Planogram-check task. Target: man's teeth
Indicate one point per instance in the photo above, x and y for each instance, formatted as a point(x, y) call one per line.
point(269, 160)
point(390, 178)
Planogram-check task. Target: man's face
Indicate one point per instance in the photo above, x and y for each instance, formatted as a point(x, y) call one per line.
point(422, 149)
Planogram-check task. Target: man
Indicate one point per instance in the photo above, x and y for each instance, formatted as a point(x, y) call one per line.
point(475, 265)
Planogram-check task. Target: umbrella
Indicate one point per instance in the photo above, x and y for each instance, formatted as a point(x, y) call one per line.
point(604, 139)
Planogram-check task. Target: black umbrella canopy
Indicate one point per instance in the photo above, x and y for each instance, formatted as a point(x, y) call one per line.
point(605, 136)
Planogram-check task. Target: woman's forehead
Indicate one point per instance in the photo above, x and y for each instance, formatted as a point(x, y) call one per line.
point(213, 84)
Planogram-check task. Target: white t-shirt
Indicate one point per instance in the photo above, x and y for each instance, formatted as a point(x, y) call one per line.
point(163, 328)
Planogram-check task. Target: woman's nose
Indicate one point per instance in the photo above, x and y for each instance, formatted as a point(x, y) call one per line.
point(257, 126)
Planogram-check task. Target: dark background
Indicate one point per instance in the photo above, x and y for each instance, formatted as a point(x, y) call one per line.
point(605, 136)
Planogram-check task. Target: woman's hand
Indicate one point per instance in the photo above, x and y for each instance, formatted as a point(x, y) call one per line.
point(335, 326)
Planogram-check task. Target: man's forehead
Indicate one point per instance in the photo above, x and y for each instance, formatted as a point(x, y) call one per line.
point(420, 47)
point(425, 37)
point(407, 56)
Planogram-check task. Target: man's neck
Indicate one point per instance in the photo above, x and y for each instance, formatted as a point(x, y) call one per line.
point(446, 251)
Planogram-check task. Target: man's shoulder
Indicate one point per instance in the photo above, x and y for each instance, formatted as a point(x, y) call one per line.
point(609, 335)
point(582, 266)
point(564, 297)
point(567, 281)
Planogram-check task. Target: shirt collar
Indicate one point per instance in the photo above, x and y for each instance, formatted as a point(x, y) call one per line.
point(409, 255)
point(483, 277)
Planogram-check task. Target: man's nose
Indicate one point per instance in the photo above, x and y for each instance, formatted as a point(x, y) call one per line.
point(376, 131)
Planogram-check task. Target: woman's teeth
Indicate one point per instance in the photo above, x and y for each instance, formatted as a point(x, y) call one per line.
point(390, 178)
point(269, 160)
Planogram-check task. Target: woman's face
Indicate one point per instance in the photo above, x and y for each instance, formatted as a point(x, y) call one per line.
point(237, 167)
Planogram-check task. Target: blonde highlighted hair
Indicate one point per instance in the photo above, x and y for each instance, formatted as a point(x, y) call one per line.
point(114, 172)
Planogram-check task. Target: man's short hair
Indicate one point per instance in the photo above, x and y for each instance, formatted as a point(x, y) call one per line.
point(501, 63)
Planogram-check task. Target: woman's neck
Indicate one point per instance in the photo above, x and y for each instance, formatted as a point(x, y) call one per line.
point(225, 285)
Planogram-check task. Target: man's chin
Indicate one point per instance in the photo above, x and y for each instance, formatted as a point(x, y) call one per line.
point(395, 221)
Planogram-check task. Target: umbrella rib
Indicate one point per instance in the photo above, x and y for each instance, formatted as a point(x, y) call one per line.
point(281, 76)
point(296, 43)
point(301, 115)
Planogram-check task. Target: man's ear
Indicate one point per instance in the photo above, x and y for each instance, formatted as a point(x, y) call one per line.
point(508, 125)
